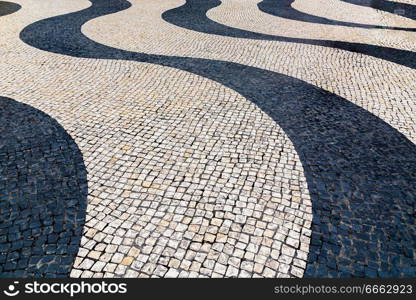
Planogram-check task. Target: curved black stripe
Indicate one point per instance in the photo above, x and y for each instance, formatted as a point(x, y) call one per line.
point(398, 8)
point(361, 172)
point(192, 15)
point(43, 194)
point(7, 8)
point(284, 9)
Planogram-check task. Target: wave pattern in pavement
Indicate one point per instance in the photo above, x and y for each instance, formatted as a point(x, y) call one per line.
point(398, 8)
point(350, 180)
point(7, 8)
point(200, 22)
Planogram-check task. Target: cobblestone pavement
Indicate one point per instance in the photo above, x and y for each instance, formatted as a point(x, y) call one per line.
point(213, 146)
point(43, 192)
point(285, 10)
point(402, 8)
